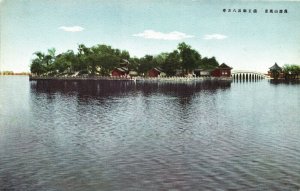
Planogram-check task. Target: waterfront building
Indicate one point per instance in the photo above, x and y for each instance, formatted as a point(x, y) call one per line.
point(154, 72)
point(275, 72)
point(122, 70)
point(202, 72)
point(222, 71)
point(119, 72)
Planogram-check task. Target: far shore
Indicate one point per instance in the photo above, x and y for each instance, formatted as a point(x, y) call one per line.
point(16, 74)
point(38, 78)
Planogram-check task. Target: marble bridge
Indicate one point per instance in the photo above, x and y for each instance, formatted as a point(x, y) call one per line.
point(247, 75)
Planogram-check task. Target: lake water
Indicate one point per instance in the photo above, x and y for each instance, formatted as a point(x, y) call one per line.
point(149, 136)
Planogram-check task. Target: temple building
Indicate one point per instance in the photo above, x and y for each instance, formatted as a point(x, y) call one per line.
point(275, 72)
point(121, 71)
point(154, 72)
point(222, 71)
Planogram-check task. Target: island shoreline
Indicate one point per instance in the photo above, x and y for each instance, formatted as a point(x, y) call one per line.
point(142, 79)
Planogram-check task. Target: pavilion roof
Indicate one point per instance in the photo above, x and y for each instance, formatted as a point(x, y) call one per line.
point(224, 66)
point(158, 69)
point(122, 69)
point(275, 67)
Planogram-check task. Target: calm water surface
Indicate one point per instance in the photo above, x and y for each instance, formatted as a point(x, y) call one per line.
point(149, 136)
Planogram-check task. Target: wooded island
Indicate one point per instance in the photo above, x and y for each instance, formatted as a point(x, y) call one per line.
point(101, 60)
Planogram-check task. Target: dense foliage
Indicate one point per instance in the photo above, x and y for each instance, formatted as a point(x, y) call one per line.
point(102, 59)
point(291, 71)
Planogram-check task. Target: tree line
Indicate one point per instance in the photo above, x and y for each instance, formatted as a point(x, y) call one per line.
point(288, 72)
point(291, 71)
point(13, 73)
point(101, 59)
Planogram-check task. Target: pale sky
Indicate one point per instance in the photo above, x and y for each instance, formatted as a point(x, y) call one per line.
point(250, 41)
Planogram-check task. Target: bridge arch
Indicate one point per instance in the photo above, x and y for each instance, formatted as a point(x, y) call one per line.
point(247, 75)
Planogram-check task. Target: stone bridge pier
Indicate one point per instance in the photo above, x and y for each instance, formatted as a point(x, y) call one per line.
point(247, 76)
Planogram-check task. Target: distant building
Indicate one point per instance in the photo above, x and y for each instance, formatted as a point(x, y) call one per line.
point(275, 67)
point(202, 72)
point(154, 72)
point(119, 72)
point(275, 71)
point(222, 71)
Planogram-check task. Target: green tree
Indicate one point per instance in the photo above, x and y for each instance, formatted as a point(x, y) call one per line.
point(209, 63)
point(134, 64)
point(146, 63)
point(291, 71)
point(38, 66)
point(125, 55)
point(101, 59)
point(106, 58)
point(160, 59)
point(65, 63)
point(82, 56)
point(190, 58)
point(49, 59)
point(172, 63)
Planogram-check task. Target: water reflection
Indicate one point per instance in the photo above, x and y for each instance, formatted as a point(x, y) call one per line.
point(284, 82)
point(89, 135)
point(107, 88)
point(243, 80)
